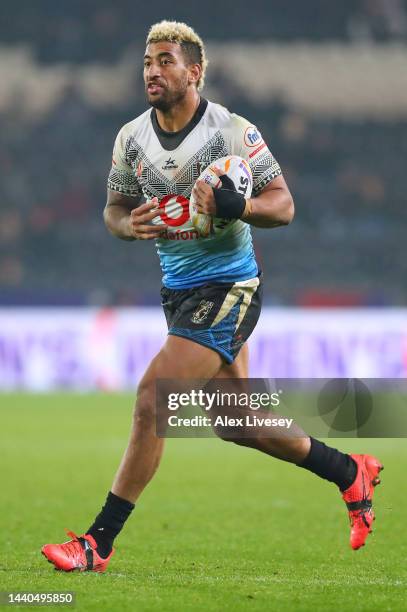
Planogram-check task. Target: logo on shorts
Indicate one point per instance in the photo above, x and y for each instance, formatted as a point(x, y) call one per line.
point(202, 311)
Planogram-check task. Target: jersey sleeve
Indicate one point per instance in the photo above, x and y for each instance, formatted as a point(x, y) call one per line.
point(247, 142)
point(122, 177)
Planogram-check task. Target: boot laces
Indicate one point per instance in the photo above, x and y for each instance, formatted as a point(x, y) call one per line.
point(73, 548)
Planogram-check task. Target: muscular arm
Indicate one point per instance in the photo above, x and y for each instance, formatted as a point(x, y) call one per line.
point(125, 219)
point(117, 212)
point(274, 206)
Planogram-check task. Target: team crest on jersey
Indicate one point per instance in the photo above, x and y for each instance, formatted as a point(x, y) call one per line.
point(202, 311)
point(203, 163)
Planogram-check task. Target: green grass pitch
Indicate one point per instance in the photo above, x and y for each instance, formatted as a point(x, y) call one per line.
point(219, 528)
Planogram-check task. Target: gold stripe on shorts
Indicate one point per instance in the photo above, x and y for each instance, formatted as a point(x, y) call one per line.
point(246, 289)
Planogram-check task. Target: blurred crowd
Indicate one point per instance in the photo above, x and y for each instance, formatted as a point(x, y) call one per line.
point(85, 30)
point(346, 245)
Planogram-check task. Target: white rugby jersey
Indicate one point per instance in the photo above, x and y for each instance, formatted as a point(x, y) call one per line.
point(149, 162)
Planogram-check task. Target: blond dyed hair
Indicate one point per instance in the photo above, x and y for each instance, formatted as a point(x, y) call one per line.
point(178, 32)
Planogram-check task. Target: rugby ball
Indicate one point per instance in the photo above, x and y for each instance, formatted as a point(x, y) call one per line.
point(234, 167)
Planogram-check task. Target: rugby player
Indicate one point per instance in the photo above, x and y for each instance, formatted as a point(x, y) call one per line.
point(211, 291)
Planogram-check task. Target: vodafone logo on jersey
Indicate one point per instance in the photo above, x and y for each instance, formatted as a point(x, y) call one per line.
point(173, 211)
point(191, 234)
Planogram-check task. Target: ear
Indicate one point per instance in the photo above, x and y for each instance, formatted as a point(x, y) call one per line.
point(195, 72)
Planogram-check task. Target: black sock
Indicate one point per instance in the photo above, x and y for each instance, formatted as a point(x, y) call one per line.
point(109, 523)
point(330, 464)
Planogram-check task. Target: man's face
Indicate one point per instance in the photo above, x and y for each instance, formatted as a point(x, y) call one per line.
point(166, 76)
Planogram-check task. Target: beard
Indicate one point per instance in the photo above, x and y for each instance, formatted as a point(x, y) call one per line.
point(169, 97)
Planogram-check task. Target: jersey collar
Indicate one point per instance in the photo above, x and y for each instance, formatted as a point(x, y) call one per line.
point(171, 140)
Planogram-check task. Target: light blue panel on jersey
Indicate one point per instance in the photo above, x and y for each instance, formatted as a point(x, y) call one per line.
point(191, 261)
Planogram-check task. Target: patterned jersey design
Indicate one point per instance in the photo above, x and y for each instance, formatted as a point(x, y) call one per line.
point(141, 167)
point(155, 183)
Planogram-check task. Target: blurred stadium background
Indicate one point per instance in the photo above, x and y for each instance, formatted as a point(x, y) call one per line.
point(326, 84)
point(220, 527)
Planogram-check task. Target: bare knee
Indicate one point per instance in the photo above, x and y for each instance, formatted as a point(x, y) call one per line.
point(144, 415)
